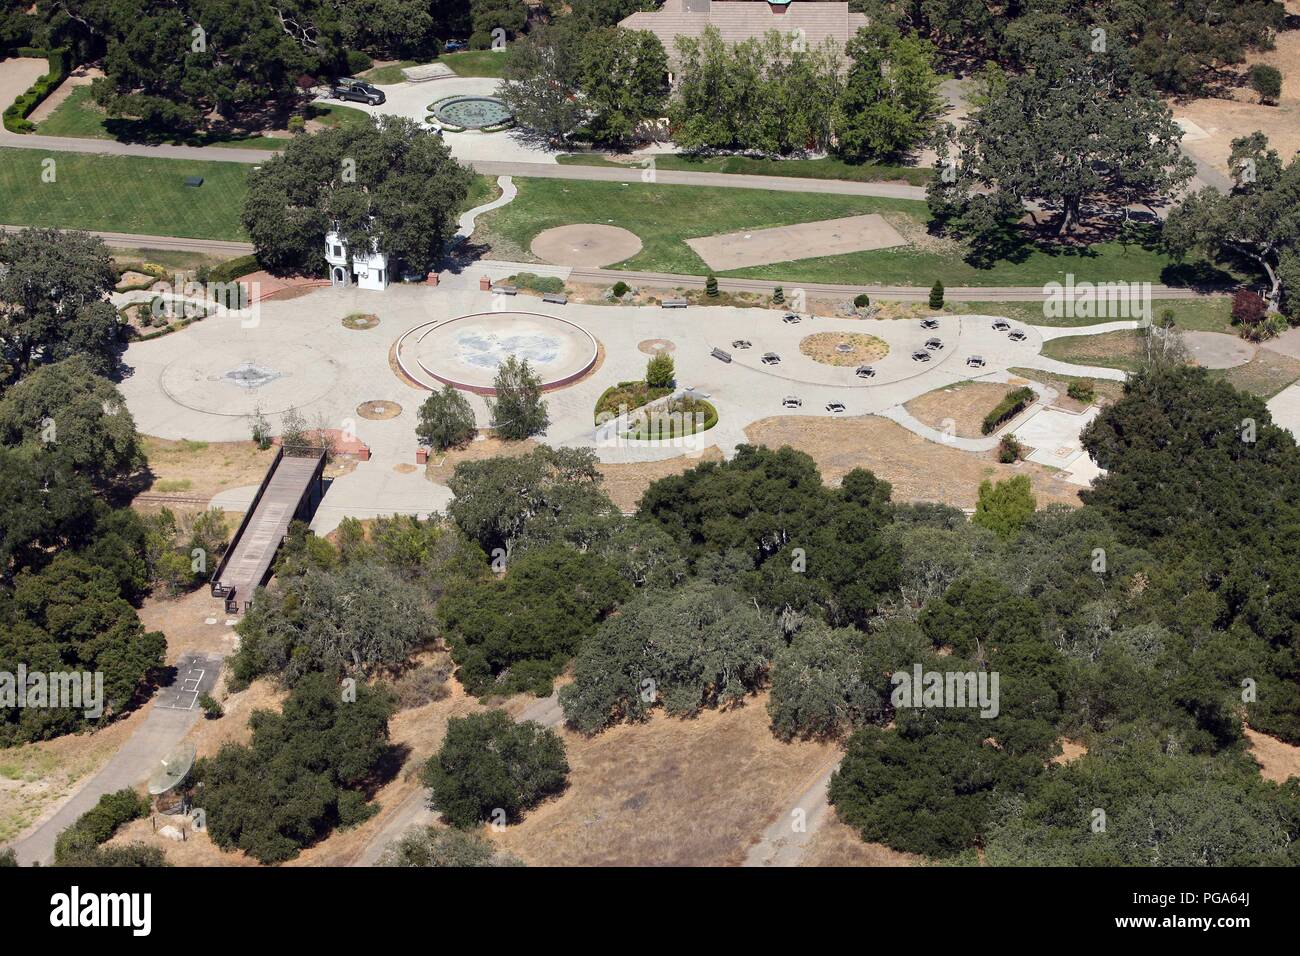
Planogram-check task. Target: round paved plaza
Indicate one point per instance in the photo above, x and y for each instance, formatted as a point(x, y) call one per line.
point(466, 351)
point(251, 375)
point(586, 245)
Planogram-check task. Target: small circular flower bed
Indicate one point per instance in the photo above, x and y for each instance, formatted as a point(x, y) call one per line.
point(360, 321)
point(379, 410)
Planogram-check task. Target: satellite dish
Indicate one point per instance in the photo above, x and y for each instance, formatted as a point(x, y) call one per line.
point(172, 769)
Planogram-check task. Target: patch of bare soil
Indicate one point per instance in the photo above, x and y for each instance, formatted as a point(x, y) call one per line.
point(919, 470)
point(626, 483)
point(1277, 759)
point(668, 792)
point(1071, 750)
point(843, 348)
point(964, 405)
point(201, 469)
point(838, 844)
point(184, 620)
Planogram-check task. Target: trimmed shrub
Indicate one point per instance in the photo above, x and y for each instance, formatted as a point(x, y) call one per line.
point(660, 371)
point(1248, 308)
point(711, 286)
point(233, 269)
point(620, 289)
point(1010, 406)
point(15, 115)
point(778, 296)
point(861, 300)
point(536, 283)
point(936, 295)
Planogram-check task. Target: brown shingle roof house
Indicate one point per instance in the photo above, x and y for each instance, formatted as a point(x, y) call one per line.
point(739, 20)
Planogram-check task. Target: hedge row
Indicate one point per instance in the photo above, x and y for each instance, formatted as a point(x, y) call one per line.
point(233, 269)
point(98, 824)
point(15, 115)
point(1010, 406)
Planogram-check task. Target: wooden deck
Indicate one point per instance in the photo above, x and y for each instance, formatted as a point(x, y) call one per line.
point(290, 491)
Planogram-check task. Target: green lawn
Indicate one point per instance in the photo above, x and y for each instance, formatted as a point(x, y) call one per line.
point(475, 62)
point(387, 75)
point(665, 216)
point(137, 194)
point(1210, 313)
point(122, 194)
point(809, 168)
point(79, 116)
point(1122, 350)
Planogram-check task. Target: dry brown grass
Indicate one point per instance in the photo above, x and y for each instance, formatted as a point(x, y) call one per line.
point(964, 405)
point(1277, 759)
point(838, 844)
point(919, 470)
point(201, 469)
point(668, 792)
point(626, 483)
point(442, 464)
point(824, 347)
point(37, 778)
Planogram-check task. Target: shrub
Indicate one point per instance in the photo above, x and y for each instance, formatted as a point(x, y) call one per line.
point(422, 686)
point(778, 295)
point(1266, 81)
point(434, 847)
point(15, 115)
point(233, 269)
point(1248, 308)
point(659, 371)
point(446, 420)
point(620, 289)
point(1010, 450)
point(936, 295)
point(1082, 390)
point(711, 286)
point(211, 708)
point(535, 283)
point(1167, 318)
point(861, 300)
point(359, 61)
point(297, 124)
point(1010, 406)
point(489, 767)
point(98, 824)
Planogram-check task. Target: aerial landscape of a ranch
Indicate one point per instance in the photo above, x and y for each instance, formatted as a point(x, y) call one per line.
point(801, 435)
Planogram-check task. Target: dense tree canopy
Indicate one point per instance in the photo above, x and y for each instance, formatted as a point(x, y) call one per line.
point(388, 183)
point(54, 290)
point(303, 774)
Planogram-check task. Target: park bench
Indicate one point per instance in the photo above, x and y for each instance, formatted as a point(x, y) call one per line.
point(506, 289)
point(674, 303)
point(555, 298)
point(721, 355)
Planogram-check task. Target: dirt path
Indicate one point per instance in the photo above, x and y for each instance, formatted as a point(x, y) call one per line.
point(788, 838)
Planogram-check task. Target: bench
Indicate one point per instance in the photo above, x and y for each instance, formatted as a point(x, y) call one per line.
point(506, 289)
point(674, 303)
point(721, 355)
point(555, 298)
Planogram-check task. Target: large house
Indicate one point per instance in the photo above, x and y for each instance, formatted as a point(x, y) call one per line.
point(739, 20)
